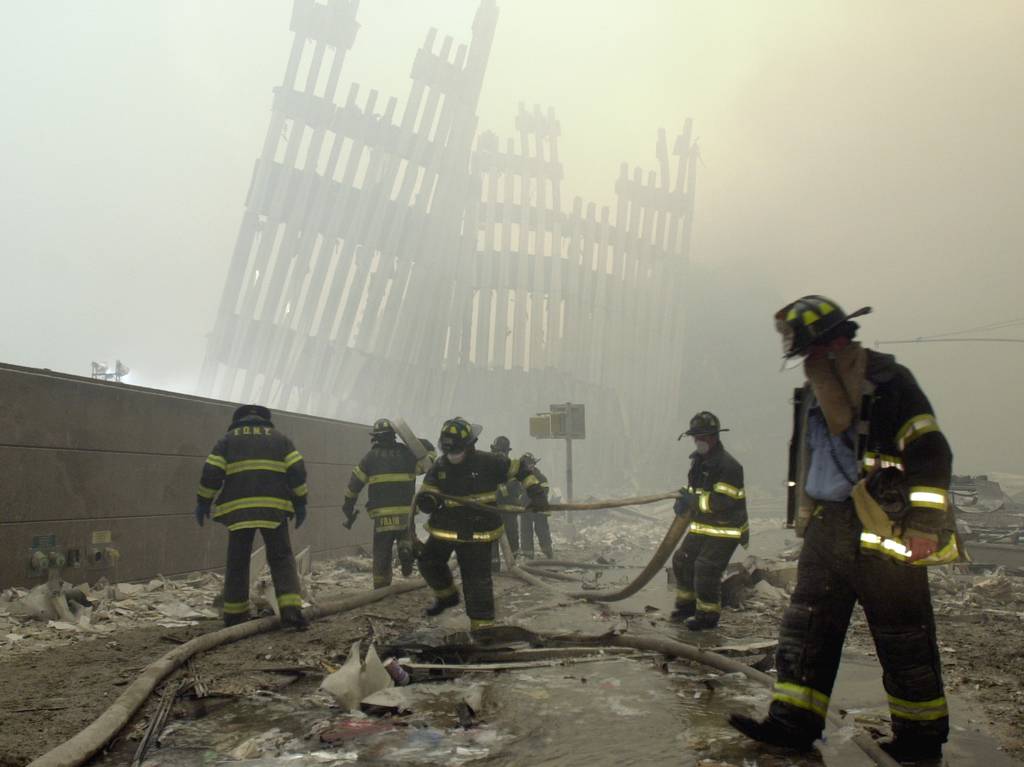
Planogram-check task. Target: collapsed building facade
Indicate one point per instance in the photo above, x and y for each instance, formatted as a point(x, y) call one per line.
point(396, 260)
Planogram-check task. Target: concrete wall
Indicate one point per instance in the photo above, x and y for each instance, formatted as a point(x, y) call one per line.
point(103, 465)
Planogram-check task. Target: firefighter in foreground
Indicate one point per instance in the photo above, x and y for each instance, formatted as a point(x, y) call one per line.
point(716, 502)
point(258, 479)
point(869, 476)
point(508, 494)
point(389, 468)
point(464, 472)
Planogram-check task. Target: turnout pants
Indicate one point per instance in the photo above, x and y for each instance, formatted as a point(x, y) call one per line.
point(698, 565)
point(535, 521)
point(832, 574)
point(384, 542)
point(282, 571)
point(475, 565)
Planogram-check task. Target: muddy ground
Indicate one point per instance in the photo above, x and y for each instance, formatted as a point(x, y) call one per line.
point(49, 694)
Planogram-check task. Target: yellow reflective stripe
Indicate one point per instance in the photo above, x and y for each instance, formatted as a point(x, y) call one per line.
point(425, 488)
point(809, 317)
point(289, 600)
point(918, 711)
point(730, 490)
point(704, 504)
point(254, 464)
point(685, 595)
point(360, 475)
point(948, 553)
point(376, 479)
point(216, 460)
point(479, 623)
point(801, 697)
point(708, 607)
point(447, 591)
point(254, 502)
point(235, 608)
point(206, 492)
point(513, 468)
point(888, 546)
point(928, 497)
point(718, 531)
point(292, 458)
point(915, 427)
point(301, 491)
point(254, 523)
point(390, 523)
point(883, 461)
point(383, 511)
point(530, 481)
point(449, 535)
point(351, 494)
point(491, 497)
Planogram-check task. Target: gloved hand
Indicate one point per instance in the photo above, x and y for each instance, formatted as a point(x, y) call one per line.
point(350, 512)
point(300, 513)
point(538, 501)
point(428, 504)
point(202, 512)
point(684, 503)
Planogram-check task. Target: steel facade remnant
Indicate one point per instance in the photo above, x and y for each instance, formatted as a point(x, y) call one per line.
point(400, 263)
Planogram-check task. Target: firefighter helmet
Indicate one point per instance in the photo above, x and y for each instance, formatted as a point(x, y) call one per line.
point(813, 320)
point(703, 424)
point(246, 411)
point(457, 434)
point(529, 459)
point(501, 445)
point(382, 430)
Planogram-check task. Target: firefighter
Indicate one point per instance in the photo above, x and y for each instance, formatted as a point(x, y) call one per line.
point(258, 479)
point(507, 495)
point(465, 472)
point(534, 521)
point(716, 502)
point(389, 468)
point(869, 476)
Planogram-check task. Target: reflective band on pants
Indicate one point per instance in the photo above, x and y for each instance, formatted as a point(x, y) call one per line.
point(801, 697)
point(918, 711)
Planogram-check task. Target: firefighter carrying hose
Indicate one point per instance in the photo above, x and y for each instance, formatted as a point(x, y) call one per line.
point(716, 501)
point(463, 471)
point(509, 494)
point(870, 474)
point(389, 469)
point(258, 479)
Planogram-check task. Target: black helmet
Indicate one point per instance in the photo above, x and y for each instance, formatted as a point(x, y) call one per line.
point(383, 430)
point(245, 411)
point(703, 424)
point(529, 459)
point(813, 320)
point(457, 434)
point(501, 444)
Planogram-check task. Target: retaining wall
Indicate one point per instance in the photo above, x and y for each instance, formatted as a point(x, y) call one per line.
point(106, 473)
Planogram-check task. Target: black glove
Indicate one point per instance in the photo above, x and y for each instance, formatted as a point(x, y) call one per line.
point(350, 512)
point(683, 503)
point(428, 504)
point(300, 513)
point(202, 512)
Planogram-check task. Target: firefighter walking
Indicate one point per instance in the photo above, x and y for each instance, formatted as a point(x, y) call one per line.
point(508, 494)
point(716, 502)
point(869, 472)
point(257, 480)
point(472, 475)
point(534, 521)
point(389, 469)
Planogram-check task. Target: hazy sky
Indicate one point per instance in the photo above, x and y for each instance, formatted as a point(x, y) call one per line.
point(871, 151)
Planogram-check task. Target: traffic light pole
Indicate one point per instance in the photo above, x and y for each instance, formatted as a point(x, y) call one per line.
point(568, 469)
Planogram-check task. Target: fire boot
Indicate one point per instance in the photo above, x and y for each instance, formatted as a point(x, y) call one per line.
point(912, 750)
point(683, 611)
point(702, 621)
point(772, 732)
point(405, 558)
point(292, 617)
point(440, 605)
point(233, 619)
